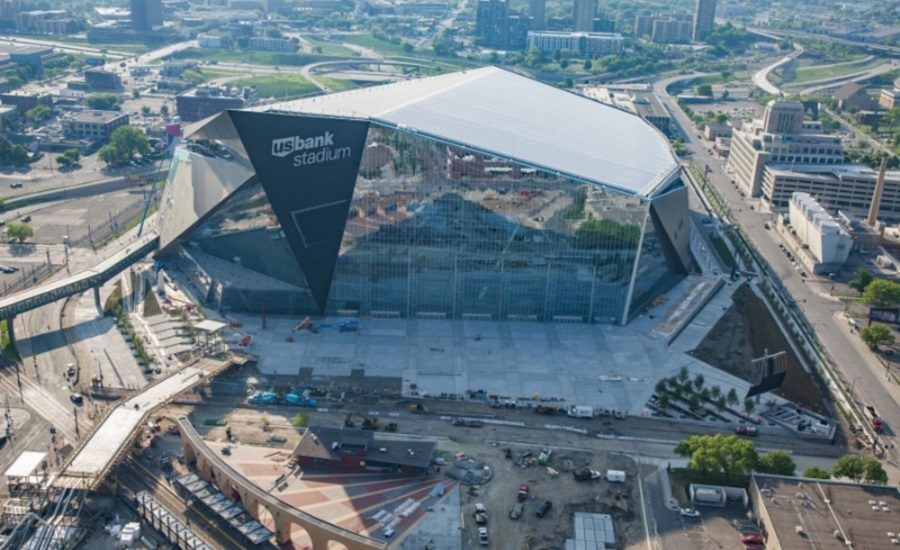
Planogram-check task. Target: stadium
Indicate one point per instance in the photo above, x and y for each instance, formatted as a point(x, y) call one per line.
point(476, 195)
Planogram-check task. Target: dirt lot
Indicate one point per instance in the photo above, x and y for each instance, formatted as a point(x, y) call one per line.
point(567, 495)
point(746, 331)
point(250, 427)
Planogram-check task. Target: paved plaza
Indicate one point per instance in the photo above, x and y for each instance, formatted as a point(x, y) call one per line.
point(607, 367)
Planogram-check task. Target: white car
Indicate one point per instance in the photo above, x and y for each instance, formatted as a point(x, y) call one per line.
point(689, 513)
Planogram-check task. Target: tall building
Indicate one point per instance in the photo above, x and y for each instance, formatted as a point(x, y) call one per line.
point(583, 14)
point(704, 18)
point(478, 195)
point(492, 23)
point(537, 9)
point(643, 25)
point(671, 31)
point(584, 44)
point(146, 15)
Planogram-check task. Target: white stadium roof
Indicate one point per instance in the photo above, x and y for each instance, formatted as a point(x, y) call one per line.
point(511, 116)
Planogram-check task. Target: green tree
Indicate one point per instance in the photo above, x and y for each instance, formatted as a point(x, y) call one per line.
point(729, 456)
point(103, 102)
point(39, 114)
point(664, 401)
point(882, 293)
point(776, 462)
point(873, 471)
point(683, 374)
point(135, 94)
point(587, 65)
point(721, 118)
point(145, 110)
point(63, 161)
point(19, 232)
point(875, 334)
point(732, 397)
point(164, 110)
point(124, 143)
point(18, 155)
point(851, 467)
point(704, 90)
point(408, 48)
point(861, 280)
point(749, 406)
point(699, 381)
point(817, 473)
point(72, 154)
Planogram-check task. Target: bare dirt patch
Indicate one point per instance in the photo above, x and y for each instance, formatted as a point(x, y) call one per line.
point(746, 331)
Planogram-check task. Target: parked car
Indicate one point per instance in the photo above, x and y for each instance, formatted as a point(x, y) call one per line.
point(752, 539)
point(70, 369)
point(76, 398)
point(516, 511)
point(751, 431)
point(483, 536)
point(543, 509)
point(689, 513)
point(25, 219)
point(523, 492)
point(16, 185)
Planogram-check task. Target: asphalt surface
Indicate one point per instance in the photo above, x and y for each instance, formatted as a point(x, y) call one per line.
point(857, 366)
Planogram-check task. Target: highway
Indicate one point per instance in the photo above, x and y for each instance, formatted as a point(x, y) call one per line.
point(761, 77)
point(856, 365)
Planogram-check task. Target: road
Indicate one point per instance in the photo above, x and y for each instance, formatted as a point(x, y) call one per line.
point(834, 82)
point(854, 363)
point(761, 77)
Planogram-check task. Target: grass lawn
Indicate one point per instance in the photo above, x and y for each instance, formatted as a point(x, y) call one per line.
point(377, 44)
point(330, 48)
point(722, 251)
point(254, 58)
point(805, 74)
point(279, 86)
point(337, 84)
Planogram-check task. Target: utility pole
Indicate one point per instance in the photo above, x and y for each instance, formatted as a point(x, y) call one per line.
point(77, 432)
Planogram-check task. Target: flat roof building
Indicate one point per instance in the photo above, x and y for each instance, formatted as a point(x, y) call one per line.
point(97, 79)
point(93, 125)
point(205, 101)
point(479, 194)
point(642, 102)
point(800, 513)
point(584, 44)
point(826, 240)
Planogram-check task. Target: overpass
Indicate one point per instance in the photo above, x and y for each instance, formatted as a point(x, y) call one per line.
point(93, 278)
point(233, 485)
point(112, 438)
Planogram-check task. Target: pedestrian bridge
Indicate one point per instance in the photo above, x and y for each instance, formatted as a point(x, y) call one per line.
point(33, 298)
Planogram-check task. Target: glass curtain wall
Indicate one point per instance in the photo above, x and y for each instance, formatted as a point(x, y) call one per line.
point(438, 231)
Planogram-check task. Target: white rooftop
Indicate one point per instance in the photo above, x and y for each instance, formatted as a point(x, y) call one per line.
point(501, 113)
point(25, 464)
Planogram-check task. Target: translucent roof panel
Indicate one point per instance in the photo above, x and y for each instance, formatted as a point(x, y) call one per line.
point(508, 115)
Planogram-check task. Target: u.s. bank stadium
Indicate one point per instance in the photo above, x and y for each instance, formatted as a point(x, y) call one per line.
point(476, 195)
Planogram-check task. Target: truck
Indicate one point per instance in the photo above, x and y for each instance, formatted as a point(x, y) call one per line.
point(299, 400)
point(480, 514)
point(877, 422)
point(581, 411)
point(615, 476)
point(264, 398)
point(483, 538)
point(586, 475)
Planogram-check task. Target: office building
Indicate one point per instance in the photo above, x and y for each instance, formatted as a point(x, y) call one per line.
point(603, 24)
point(825, 239)
point(583, 14)
point(584, 44)
point(473, 195)
point(782, 138)
point(796, 513)
point(96, 126)
point(146, 15)
point(643, 25)
point(704, 19)
point(205, 101)
point(671, 31)
point(99, 80)
point(266, 44)
point(537, 9)
point(845, 187)
point(492, 23)
point(890, 97)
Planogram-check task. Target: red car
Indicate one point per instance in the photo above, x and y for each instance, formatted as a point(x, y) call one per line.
point(751, 539)
point(523, 491)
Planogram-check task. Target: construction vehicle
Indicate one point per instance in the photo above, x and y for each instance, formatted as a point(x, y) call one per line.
point(877, 422)
point(391, 427)
point(546, 409)
point(263, 398)
point(480, 514)
point(298, 400)
point(348, 421)
point(544, 457)
point(370, 423)
point(587, 475)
